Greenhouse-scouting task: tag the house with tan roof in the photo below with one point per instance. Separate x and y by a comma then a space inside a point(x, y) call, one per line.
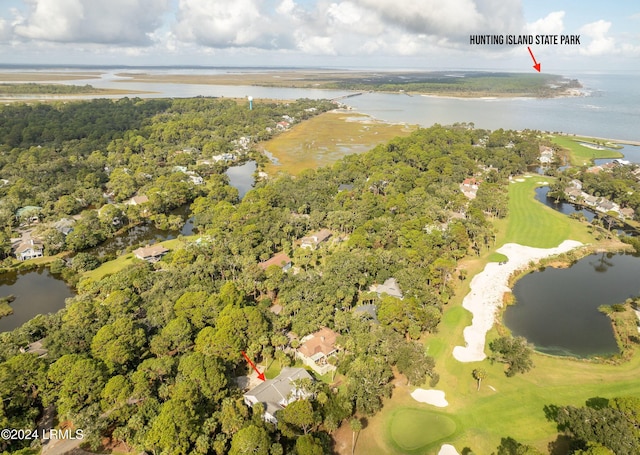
point(313, 240)
point(137, 200)
point(151, 253)
point(281, 260)
point(275, 394)
point(315, 350)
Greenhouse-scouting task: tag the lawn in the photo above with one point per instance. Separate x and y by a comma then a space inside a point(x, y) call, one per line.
point(121, 262)
point(581, 155)
point(328, 137)
point(503, 407)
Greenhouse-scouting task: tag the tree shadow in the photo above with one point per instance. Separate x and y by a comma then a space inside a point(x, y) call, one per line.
point(597, 403)
point(561, 445)
point(551, 412)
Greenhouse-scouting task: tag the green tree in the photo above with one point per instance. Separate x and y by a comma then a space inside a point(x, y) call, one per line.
point(368, 383)
point(308, 445)
point(414, 363)
point(300, 414)
point(119, 344)
point(515, 352)
point(250, 440)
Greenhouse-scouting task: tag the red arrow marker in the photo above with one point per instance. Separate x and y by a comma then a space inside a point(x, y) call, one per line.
point(260, 375)
point(537, 65)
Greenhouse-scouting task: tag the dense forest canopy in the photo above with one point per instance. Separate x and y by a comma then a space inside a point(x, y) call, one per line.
point(150, 355)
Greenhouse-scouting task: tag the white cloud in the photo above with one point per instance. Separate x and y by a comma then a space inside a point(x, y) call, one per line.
point(241, 23)
point(552, 24)
point(600, 43)
point(452, 19)
point(5, 31)
point(90, 21)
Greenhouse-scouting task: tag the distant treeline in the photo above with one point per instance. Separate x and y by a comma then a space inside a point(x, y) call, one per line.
point(497, 84)
point(46, 89)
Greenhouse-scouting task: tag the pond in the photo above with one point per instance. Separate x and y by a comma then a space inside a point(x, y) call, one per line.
point(557, 309)
point(562, 207)
point(241, 177)
point(36, 291)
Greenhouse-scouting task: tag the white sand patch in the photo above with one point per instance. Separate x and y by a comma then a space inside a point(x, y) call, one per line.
point(448, 449)
point(493, 388)
point(519, 180)
point(431, 396)
point(487, 291)
point(528, 176)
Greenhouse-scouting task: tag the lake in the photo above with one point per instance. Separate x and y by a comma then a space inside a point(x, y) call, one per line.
point(557, 309)
point(36, 291)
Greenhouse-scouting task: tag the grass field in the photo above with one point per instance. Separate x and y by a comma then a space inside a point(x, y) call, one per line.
point(503, 407)
point(327, 138)
point(581, 155)
point(533, 224)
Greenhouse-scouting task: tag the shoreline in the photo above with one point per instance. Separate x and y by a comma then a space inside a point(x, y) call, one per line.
point(615, 141)
point(487, 291)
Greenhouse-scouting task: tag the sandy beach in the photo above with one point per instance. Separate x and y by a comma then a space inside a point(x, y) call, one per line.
point(487, 292)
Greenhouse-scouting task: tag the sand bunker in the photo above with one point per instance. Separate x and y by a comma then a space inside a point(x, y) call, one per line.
point(487, 291)
point(448, 449)
point(433, 397)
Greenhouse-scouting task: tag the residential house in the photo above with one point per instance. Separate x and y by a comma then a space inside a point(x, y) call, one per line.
point(315, 350)
point(627, 213)
point(369, 311)
point(64, 226)
point(590, 200)
point(151, 253)
point(137, 200)
point(469, 187)
point(389, 287)
point(275, 394)
point(224, 157)
point(37, 348)
point(29, 214)
point(29, 249)
point(313, 240)
point(546, 155)
point(281, 260)
point(573, 194)
point(605, 205)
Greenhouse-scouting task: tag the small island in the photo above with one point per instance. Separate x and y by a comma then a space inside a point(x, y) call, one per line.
point(5, 308)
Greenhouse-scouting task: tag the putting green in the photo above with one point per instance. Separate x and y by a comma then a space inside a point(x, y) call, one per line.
point(414, 430)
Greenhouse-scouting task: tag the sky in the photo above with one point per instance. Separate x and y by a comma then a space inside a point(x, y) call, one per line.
point(375, 34)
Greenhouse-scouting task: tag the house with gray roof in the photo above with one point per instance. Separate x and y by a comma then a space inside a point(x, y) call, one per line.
point(389, 287)
point(275, 394)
